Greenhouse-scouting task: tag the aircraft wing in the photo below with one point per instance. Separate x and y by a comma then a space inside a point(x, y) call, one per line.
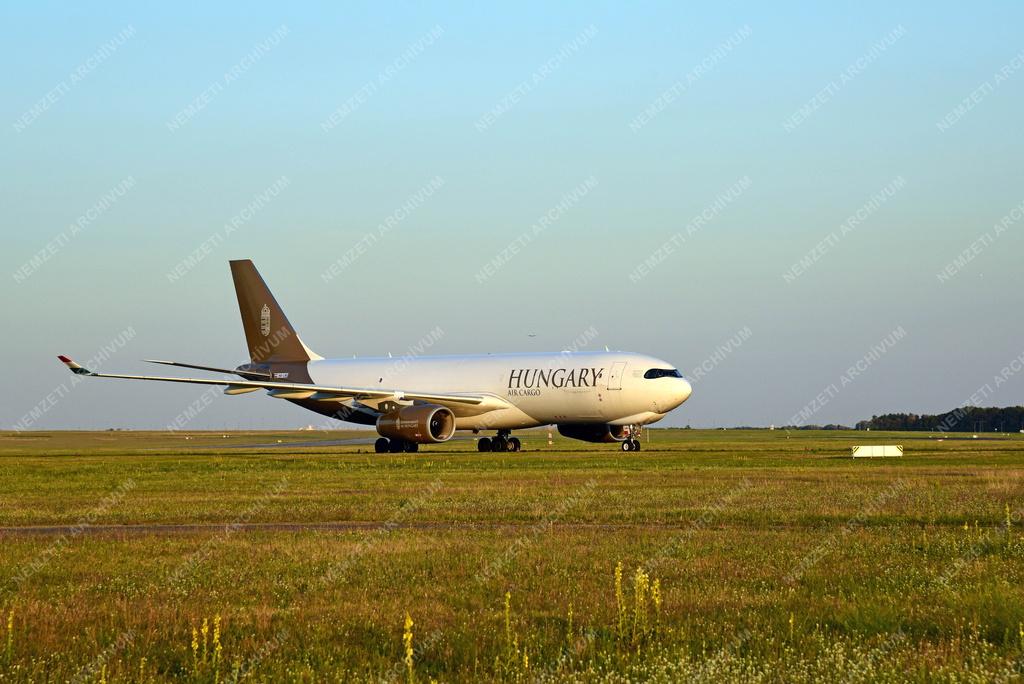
point(287, 390)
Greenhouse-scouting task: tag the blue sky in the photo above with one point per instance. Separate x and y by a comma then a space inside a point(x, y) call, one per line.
point(878, 85)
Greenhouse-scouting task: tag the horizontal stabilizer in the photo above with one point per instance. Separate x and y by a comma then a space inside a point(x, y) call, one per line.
point(208, 368)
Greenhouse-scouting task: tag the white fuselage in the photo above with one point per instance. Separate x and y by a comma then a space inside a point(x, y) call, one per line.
point(539, 388)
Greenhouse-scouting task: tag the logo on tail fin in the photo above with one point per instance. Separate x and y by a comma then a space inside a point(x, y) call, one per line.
point(265, 320)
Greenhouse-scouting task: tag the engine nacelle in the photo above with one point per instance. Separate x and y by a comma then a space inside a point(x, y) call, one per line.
point(423, 424)
point(593, 432)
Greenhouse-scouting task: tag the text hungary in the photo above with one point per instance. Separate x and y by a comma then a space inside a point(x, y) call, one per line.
point(537, 378)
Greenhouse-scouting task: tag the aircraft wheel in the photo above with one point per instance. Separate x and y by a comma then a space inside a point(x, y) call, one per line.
point(514, 444)
point(499, 444)
point(396, 446)
point(411, 447)
point(636, 444)
point(381, 445)
point(627, 445)
point(483, 444)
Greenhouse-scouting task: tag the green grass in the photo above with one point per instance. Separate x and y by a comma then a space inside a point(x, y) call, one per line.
point(778, 558)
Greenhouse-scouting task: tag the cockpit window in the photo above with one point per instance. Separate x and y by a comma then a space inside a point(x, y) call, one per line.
point(662, 373)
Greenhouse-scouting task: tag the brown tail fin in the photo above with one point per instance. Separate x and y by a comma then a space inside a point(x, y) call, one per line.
point(268, 334)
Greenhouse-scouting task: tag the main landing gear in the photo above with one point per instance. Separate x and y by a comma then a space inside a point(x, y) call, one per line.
point(632, 443)
point(395, 446)
point(502, 442)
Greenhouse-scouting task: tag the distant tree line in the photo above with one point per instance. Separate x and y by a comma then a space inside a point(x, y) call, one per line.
point(830, 426)
point(966, 419)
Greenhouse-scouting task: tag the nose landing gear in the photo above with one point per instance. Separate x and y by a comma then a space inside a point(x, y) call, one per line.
point(632, 441)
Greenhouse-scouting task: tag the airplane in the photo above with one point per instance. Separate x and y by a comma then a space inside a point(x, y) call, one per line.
point(593, 396)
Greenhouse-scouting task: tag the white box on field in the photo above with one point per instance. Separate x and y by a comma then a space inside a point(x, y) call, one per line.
point(877, 451)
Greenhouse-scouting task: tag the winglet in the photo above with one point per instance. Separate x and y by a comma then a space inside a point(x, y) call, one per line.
point(74, 367)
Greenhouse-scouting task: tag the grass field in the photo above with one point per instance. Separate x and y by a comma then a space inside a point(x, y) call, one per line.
point(710, 555)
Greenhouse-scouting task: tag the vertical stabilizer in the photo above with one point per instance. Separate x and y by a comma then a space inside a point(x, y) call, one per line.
point(268, 334)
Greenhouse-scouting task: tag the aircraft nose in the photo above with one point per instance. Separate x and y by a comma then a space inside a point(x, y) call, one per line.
point(684, 390)
point(677, 393)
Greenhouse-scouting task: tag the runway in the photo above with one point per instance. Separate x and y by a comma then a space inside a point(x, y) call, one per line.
point(352, 441)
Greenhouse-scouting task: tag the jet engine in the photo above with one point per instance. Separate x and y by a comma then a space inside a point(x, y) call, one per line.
point(593, 432)
point(422, 424)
